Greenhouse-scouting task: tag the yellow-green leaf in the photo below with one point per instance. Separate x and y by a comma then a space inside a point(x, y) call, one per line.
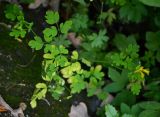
point(74, 55)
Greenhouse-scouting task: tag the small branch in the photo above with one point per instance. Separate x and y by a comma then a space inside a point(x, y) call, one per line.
point(15, 112)
point(26, 65)
point(46, 101)
point(4, 104)
point(5, 25)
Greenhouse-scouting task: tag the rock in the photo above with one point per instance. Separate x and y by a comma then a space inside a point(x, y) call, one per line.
point(37, 3)
point(76, 41)
point(79, 110)
point(54, 4)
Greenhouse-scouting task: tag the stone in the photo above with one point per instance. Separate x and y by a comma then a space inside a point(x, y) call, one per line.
point(79, 110)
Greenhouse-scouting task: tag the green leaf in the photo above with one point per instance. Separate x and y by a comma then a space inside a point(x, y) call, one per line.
point(119, 2)
point(125, 108)
point(113, 74)
point(56, 91)
point(80, 22)
point(114, 87)
point(51, 71)
point(132, 12)
point(120, 80)
point(110, 111)
point(135, 88)
point(150, 105)
point(77, 87)
point(98, 40)
point(126, 97)
point(127, 115)
point(77, 84)
point(41, 85)
point(109, 16)
point(21, 19)
point(93, 86)
point(127, 58)
point(50, 33)
point(88, 63)
point(132, 50)
point(102, 95)
point(55, 95)
point(76, 66)
point(51, 48)
point(154, 3)
point(117, 59)
point(82, 2)
point(62, 40)
point(18, 33)
point(98, 68)
point(124, 76)
point(149, 113)
point(136, 110)
point(12, 11)
point(65, 27)
point(33, 103)
point(122, 42)
point(74, 55)
point(97, 72)
point(61, 61)
point(48, 56)
point(36, 44)
point(39, 93)
point(68, 71)
point(152, 39)
point(62, 50)
point(91, 91)
point(52, 17)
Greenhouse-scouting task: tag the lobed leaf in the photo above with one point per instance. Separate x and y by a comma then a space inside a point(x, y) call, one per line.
point(64, 27)
point(52, 17)
point(36, 44)
point(50, 33)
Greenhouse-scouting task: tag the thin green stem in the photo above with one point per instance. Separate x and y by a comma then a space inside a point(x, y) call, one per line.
point(58, 30)
point(101, 11)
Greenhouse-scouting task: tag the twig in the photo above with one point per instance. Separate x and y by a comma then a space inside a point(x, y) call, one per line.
point(5, 25)
point(26, 65)
point(46, 101)
point(15, 112)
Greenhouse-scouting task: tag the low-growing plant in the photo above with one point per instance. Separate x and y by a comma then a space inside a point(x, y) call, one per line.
point(59, 67)
point(103, 63)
